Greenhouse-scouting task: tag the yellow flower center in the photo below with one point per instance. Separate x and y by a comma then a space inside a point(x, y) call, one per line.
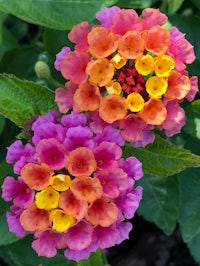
point(118, 61)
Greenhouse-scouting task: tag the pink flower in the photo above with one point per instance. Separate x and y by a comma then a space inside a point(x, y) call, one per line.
point(79, 236)
point(73, 67)
point(181, 49)
point(60, 56)
point(193, 88)
point(107, 154)
point(132, 166)
point(64, 97)
point(113, 181)
point(128, 201)
point(17, 190)
point(175, 118)
point(13, 220)
point(78, 35)
point(105, 15)
point(52, 153)
point(79, 137)
point(47, 242)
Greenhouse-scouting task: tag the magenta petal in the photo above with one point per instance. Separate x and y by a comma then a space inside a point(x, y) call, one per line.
point(132, 166)
point(13, 220)
point(123, 231)
point(73, 120)
point(60, 56)
point(105, 237)
point(52, 153)
point(128, 201)
point(14, 152)
point(78, 255)
point(105, 16)
point(47, 243)
point(79, 236)
point(17, 190)
point(107, 154)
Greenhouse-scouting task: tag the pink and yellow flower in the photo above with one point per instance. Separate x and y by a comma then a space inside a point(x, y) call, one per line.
point(77, 186)
point(131, 62)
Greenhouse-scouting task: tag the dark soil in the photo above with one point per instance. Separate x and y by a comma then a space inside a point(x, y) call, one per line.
point(149, 246)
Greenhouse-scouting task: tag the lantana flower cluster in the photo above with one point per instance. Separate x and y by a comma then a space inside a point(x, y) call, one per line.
point(72, 189)
point(131, 69)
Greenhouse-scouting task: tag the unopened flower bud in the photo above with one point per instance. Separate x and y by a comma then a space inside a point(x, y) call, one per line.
point(42, 70)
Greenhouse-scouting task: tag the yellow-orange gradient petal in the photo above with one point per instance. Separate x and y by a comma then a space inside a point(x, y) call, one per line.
point(102, 43)
point(178, 86)
point(100, 71)
point(87, 97)
point(154, 112)
point(86, 188)
point(112, 108)
point(36, 176)
point(33, 218)
point(131, 45)
point(157, 40)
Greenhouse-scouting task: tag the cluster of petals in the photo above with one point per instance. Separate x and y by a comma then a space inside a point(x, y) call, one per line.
point(130, 69)
point(73, 189)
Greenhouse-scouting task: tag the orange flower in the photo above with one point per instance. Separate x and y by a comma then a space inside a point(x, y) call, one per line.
point(72, 205)
point(102, 212)
point(131, 45)
point(154, 112)
point(87, 97)
point(100, 71)
point(36, 176)
point(81, 162)
point(178, 86)
point(33, 218)
point(157, 40)
point(86, 188)
point(112, 108)
point(102, 43)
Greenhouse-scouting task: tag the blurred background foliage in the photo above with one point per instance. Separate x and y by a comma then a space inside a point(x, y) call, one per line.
point(32, 31)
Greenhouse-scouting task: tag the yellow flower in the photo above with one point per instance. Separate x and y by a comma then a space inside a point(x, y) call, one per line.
point(60, 182)
point(163, 65)
point(144, 64)
point(135, 102)
point(61, 220)
point(118, 61)
point(156, 86)
point(114, 87)
point(47, 199)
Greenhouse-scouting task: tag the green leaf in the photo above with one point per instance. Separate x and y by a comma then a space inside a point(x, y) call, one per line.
point(2, 123)
point(162, 158)
point(172, 5)
point(160, 203)
point(96, 258)
point(189, 215)
point(23, 255)
point(134, 3)
point(192, 126)
point(60, 14)
point(6, 236)
point(196, 3)
point(20, 100)
point(193, 246)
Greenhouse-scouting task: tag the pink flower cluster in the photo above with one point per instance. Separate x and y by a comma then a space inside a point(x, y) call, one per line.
point(131, 70)
point(74, 190)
